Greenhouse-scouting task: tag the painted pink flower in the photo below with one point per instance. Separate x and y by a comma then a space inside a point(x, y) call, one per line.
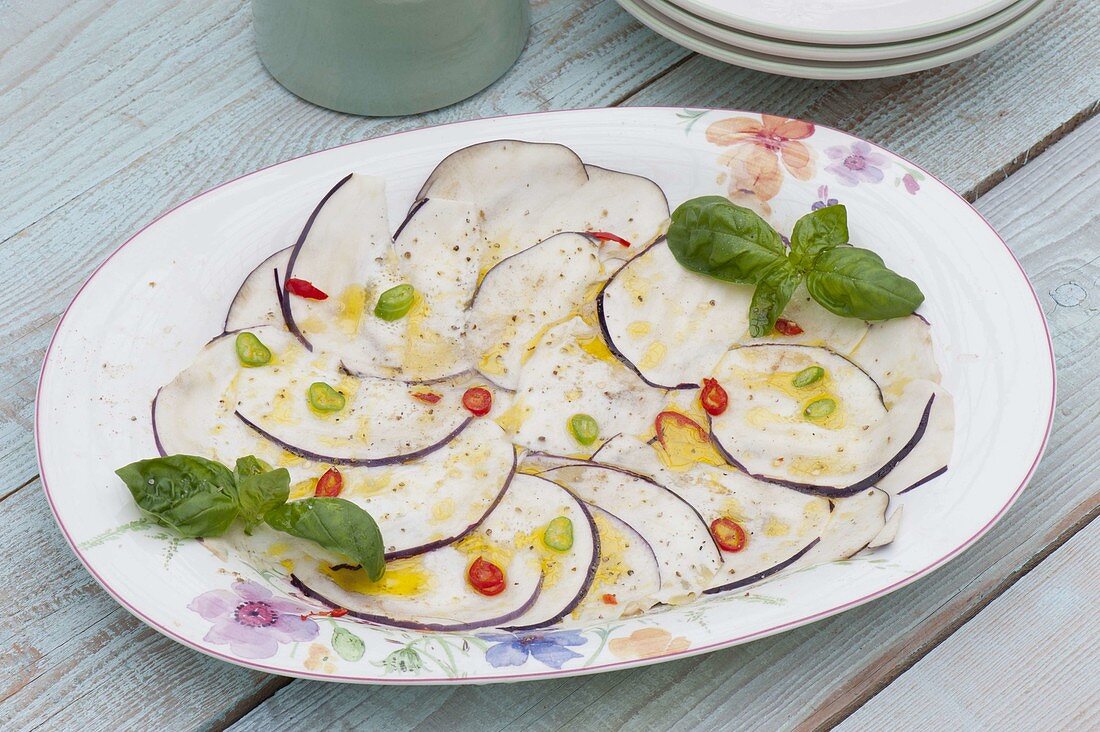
point(760, 151)
point(856, 164)
point(251, 620)
point(910, 183)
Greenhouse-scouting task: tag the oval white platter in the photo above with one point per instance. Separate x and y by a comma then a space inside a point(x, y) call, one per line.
point(147, 310)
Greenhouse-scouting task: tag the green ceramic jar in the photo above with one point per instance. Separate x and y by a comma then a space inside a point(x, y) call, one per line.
point(389, 57)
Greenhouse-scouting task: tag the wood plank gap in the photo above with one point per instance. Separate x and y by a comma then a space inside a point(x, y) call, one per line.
point(620, 100)
point(911, 659)
point(18, 488)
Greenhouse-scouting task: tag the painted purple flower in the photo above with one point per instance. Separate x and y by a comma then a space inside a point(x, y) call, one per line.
point(252, 621)
point(823, 199)
point(857, 163)
point(550, 648)
point(910, 184)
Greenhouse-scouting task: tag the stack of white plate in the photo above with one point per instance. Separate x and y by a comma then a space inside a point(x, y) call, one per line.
point(837, 39)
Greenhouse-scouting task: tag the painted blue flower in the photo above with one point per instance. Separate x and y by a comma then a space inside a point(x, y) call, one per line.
point(823, 199)
point(550, 648)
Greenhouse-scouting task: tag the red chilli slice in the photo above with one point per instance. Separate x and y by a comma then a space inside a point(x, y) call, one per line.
point(330, 484)
point(788, 327)
point(713, 397)
point(728, 534)
point(478, 401)
point(608, 236)
point(304, 288)
point(610, 599)
point(428, 397)
point(486, 577)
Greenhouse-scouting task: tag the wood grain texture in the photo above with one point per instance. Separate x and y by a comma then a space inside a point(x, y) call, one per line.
point(971, 123)
point(248, 123)
point(1028, 661)
point(813, 676)
point(72, 658)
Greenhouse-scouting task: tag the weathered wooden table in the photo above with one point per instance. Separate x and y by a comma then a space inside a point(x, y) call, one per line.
point(111, 112)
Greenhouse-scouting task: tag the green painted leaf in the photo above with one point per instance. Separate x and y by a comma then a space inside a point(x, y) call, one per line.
point(855, 283)
point(337, 525)
point(192, 495)
point(771, 295)
point(349, 646)
point(817, 232)
point(715, 237)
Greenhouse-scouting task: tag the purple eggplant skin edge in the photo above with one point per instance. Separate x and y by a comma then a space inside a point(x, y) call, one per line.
point(606, 332)
point(571, 462)
point(278, 288)
point(284, 301)
point(589, 576)
point(424, 548)
point(477, 290)
point(630, 526)
point(355, 462)
point(156, 434)
point(414, 625)
point(833, 491)
point(764, 574)
point(416, 206)
point(931, 476)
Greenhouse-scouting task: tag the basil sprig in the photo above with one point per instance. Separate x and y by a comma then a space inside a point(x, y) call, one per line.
point(718, 238)
point(197, 497)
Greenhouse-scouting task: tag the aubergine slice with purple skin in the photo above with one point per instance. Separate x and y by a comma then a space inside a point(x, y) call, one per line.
point(380, 422)
point(778, 522)
point(565, 375)
point(687, 555)
point(438, 249)
point(528, 191)
point(829, 435)
point(531, 504)
point(897, 353)
point(627, 577)
point(543, 584)
point(345, 251)
point(667, 324)
point(259, 299)
point(523, 295)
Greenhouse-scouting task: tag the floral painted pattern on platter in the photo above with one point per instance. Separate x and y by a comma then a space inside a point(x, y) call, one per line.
point(757, 150)
point(251, 620)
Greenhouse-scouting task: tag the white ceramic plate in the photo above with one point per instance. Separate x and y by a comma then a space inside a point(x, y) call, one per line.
point(848, 53)
point(656, 21)
point(844, 21)
point(150, 307)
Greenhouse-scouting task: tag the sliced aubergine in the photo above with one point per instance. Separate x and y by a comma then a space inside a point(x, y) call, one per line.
point(438, 249)
point(434, 500)
point(426, 592)
point(345, 251)
point(525, 294)
point(778, 522)
point(895, 352)
point(627, 576)
point(527, 192)
point(525, 519)
point(570, 372)
point(819, 326)
point(807, 418)
point(372, 421)
point(929, 458)
point(668, 324)
point(853, 524)
point(686, 553)
point(193, 413)
point(888, 532)
point(258, 301)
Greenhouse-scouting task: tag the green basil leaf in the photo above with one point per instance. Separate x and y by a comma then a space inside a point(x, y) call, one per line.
point(855, 283)
point(817, 232)
point(715, 237)
point(192, 495)
point(336, 524)
point(259, 489)
point(771, 295)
